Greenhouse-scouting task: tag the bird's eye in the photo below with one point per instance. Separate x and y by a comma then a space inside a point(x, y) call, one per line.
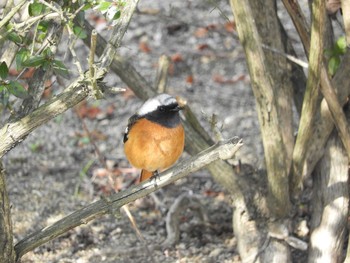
point(161, 108)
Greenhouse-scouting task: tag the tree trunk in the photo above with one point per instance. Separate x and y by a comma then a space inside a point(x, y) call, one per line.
point(330, 204)
point(7, 253)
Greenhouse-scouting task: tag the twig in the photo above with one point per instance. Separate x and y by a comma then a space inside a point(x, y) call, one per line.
point(290, 57)
point(92, 141)
point(299, 21)
point(72, 40)
point(162, 74)
point(223, 150)
point(37, 82)
point(181, 203)
point(213, 121)
point(13, 11)
point(119, 29)
point(137, 230)
point(95, 90)
point(58, 11)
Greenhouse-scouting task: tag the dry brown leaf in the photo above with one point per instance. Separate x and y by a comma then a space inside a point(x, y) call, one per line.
point(189, 79)
point(201, 32)
point(230, 27)
point(176, 58)
point(144, 47)
point(202, 46)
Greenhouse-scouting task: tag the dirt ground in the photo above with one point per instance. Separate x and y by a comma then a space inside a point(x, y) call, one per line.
point(55, 171)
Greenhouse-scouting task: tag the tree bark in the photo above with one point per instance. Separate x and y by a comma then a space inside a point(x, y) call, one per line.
point(7, 253)
point(269, 100)
point(330, 204)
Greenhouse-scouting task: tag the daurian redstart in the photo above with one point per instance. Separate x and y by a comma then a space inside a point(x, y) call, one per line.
point(154, 138)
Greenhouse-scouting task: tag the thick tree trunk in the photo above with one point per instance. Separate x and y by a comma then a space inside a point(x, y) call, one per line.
point(7, 253)
point(330, 204)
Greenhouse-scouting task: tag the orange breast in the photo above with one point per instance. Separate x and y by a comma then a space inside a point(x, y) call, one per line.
point(152, 147)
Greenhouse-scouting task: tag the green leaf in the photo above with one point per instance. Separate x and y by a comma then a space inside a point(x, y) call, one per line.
point(340, 45)
point(15, 88)
point(14, 37)
point(48, 53)
point(116, 15)
point(34, 61)
point(4, 70)
point(43, 26)
point(4, 97)
point(87, 6)
point(79, 32)
point(333, 65)
point(2, 87)
point(80, 18)
point(35, 9)
point(60, 69)
point(21, 56)
point(104, 6)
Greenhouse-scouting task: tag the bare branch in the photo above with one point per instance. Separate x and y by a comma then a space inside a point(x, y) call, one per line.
point(120, 27)
point(312, 95)
point(323, 123)
point(225, 149)
point(290, 57)
point(299, 21)
point(37, 82)
point(13, 11)
point(95, 90)
point(336, 111)
point(7, 253)
point(162, 73)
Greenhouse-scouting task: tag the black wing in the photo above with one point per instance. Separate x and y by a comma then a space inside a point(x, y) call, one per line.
point(131, 122)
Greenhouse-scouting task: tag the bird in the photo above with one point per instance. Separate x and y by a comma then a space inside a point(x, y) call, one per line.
point(154, 138)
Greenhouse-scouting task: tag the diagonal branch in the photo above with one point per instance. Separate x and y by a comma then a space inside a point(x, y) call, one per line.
point(223, 150)
point(9, 16)
point(323, 124)
point(311, 98)
point(299, 21)
point(337, 112)
point(115, 41)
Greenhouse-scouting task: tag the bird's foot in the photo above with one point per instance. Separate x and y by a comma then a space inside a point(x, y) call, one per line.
point(154, 177)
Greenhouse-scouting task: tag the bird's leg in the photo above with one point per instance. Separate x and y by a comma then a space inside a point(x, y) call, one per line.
point(154, 177)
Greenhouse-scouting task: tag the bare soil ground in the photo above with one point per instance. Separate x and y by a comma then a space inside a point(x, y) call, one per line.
point(51, 173)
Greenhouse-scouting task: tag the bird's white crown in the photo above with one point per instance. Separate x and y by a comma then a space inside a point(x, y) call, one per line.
point(152, 104)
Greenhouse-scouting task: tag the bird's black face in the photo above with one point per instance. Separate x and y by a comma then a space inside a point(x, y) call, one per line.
point(174, 107)
point(166, 115)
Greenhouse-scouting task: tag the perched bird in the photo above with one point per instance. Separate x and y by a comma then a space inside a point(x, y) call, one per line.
point(154, 138)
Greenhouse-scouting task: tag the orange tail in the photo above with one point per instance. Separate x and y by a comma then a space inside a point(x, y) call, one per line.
point(145, 175)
